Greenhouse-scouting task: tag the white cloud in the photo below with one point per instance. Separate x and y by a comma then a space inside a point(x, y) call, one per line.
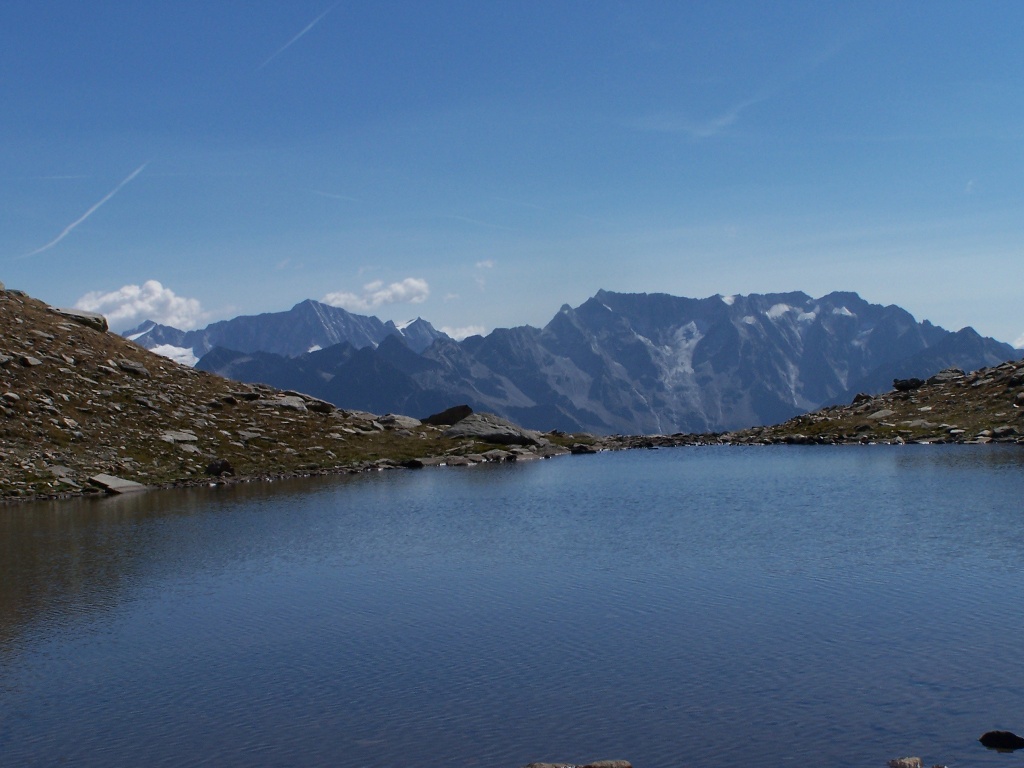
point(485, 264)
point(131, 304)
point(412, 290)
point(1019, 343)
point(465, 332)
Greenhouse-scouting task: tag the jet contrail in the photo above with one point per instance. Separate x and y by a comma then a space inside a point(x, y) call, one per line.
point(291, 42)
point(87, 214)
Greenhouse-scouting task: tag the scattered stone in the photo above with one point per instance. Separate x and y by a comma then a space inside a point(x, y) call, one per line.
point(29, 362)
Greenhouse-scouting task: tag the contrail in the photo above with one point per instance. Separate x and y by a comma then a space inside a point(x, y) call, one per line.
point(292, 42)
point(87, 214)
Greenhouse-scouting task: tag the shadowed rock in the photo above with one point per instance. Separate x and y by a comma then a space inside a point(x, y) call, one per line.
point(450, 416)
point(1002, 741)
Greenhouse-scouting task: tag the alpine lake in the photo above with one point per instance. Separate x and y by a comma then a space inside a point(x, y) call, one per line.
point(712, 607)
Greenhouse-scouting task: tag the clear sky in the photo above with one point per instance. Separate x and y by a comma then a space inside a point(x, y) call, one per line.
point(481, 163)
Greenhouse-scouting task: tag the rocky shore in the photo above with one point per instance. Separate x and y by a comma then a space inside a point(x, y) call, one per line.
point(83, 411)
point(984, 406)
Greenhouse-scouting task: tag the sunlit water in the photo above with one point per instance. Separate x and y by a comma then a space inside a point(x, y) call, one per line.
point(687, 607)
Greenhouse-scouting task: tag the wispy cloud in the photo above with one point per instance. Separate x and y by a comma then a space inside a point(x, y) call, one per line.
point(1019, 343)
point(481, 281)
point(70, 227)
point(131, 304)
point(295, 39)
point(412, 290)
point(699, 129)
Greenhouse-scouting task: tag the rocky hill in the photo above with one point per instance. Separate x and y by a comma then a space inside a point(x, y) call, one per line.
point(952, 406)
point(82, 410)
point(638, 363)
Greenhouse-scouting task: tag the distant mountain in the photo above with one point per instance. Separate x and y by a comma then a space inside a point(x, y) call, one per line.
point(640, 363)
point(306, 327)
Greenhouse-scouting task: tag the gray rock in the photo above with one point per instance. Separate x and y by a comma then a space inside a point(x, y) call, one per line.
point(489, 428)
point(29, 362)
point(947, 375)
point(112, 484)
point(174, 436)
point(137, 369)
point(89, 319)
point(905, 762)
point(403, 422)
point(882, 414)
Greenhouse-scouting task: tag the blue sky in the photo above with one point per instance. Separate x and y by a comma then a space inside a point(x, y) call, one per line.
point(481, 163)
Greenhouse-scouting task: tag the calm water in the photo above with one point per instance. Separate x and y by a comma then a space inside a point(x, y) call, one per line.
point(687, 607)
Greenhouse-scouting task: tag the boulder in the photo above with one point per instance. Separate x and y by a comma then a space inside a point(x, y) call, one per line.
point(402, 422)
point(905, 762)
point(447, 417)
point(488, 428)
point(92, 320)
point(1001, 741)
point(906, 385)
point(220, 468)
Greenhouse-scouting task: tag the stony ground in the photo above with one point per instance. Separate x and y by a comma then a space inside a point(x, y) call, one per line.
point(77, 402)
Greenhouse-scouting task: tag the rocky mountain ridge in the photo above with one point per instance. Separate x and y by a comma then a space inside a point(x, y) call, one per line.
point(306, 327)
point(639, 363)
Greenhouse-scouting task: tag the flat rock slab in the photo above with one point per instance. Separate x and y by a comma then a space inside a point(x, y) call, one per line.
point(112, 484)
point(173, 436)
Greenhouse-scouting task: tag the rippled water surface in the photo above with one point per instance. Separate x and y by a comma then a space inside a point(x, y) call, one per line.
point(688, 607)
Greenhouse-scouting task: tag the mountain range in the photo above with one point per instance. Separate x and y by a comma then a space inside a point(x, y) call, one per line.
point(618, 363)
point(306, 327)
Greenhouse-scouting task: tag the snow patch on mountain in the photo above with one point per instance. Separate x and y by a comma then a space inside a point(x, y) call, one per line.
point(180, 355)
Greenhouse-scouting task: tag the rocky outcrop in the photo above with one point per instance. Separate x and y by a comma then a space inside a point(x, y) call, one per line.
point(489, 428)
